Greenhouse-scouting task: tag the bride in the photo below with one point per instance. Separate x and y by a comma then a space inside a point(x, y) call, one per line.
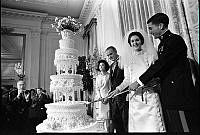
point(145, 112)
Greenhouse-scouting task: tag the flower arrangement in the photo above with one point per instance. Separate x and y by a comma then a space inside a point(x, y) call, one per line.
point(19, 69)
point(66, 23)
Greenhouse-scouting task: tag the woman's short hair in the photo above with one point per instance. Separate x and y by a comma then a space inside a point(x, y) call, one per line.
point(137, 34)
point(106, 65)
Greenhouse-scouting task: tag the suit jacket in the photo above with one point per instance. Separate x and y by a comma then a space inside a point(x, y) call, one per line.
point(21, 106)
point(172, 66)
point(116, 79)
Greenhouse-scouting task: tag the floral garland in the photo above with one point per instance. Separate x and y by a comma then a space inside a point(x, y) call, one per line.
point(68, 22)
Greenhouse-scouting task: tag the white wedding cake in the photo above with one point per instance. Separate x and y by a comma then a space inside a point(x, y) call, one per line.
point(67, 113)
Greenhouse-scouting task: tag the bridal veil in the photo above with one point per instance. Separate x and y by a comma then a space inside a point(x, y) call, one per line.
point(127, 53)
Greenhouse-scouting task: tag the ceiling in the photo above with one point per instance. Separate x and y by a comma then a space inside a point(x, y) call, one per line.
point(51, 7)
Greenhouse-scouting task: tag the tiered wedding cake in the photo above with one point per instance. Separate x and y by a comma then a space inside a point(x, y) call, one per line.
point(67, 113)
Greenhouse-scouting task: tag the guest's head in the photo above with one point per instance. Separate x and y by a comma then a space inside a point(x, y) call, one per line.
point(20, 86)
point(33, 91)
point(39, 91)
point(111, 53)
point(44, 91)
point(136, 40)
point(158, 24)
point(102, 65)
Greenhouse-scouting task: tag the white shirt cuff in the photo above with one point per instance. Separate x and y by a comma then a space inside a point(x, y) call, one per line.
point(138, 80)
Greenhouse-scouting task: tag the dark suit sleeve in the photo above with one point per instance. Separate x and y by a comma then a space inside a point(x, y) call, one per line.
point(119, 78)
point(174, 50)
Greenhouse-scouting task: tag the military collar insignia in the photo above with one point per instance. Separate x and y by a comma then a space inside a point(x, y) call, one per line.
point(160, 49)
point(165, 34)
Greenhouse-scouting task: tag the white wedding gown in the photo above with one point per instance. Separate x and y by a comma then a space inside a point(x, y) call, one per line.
point(145, 115)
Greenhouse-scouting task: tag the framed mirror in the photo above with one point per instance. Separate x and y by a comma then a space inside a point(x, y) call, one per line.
point(12, 52)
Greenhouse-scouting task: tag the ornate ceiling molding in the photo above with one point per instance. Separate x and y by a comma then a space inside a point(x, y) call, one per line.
point(22, 14)
point(49, 19)
point(89, 10)
point(95, 9)
point(6, 30)
point(89, 26)
point(57, 3)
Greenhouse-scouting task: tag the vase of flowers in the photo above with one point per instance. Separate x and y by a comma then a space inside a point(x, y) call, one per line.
point(66, 25)
point(66, 34)
point(19, 70)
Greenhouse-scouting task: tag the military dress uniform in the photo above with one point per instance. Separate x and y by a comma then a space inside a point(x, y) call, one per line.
point(177, 89)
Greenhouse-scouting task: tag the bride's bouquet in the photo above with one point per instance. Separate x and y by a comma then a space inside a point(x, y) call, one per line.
point(68, 22)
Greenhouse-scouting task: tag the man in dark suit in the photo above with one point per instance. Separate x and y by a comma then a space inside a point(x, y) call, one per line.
point(21, 104)
point(172, 67)
point(40, 104)
point(118, 105)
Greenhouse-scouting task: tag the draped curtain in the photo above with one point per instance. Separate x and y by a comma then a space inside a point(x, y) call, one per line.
point(90, 37)
point(135, 13)
point(108, 27)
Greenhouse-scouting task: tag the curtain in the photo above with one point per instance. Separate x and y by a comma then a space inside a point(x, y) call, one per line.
point(80, 45)
point(182, 14)
point(90, 37)
point(191, 8)
point(135, 13)
point(108, 27)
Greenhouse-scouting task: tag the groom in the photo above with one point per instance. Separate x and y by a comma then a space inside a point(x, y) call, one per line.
point(178, 95)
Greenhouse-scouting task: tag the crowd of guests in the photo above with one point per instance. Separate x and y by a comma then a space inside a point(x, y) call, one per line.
point(24, 109)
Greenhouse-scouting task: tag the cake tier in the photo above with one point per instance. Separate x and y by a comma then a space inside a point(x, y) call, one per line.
point(66, 43)
point(67, 115)
point(66, 59)
point(65, 83)
point(64, 54)
point(69, 106)
point(95, 127)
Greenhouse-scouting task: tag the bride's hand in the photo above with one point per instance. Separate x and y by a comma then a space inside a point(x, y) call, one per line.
point(133, 86)
point(141, 90)
point(138, 91)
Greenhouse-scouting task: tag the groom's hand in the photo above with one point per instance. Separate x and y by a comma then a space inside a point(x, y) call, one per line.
point(105, 100)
